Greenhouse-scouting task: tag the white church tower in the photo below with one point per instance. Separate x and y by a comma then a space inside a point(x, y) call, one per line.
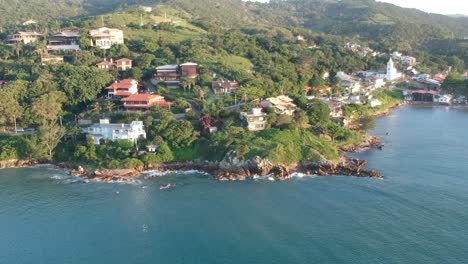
point(392, 72)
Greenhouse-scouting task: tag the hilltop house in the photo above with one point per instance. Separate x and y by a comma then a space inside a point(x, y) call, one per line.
point(105, 37)
point(172, 74)
point(224, 87)
point(282, 105)
point(105, 130)
point(67, 39)
point(24, 37)
point(123, 64)
point(143, 102)
point(123, 88)
point(256, 119)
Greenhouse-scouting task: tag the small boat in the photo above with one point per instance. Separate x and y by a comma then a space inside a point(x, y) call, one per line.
point(165, 187)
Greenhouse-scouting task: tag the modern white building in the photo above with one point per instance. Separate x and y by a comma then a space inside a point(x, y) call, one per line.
point(105, 37)
point(256, 120)
point(107, 131)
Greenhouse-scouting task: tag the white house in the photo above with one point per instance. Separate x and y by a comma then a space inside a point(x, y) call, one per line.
point(282, 105)
point(375, 103)
point(444, 99)
point(105, 37)
point(108, 131)
point(256, 120)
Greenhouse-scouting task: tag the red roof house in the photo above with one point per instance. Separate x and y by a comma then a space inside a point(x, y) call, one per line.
point(143, 102)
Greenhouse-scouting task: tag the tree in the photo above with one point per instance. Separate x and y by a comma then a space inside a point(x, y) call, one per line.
point(366, 123)
point(179, 133)
point(109, 106)
point(136, 73)
point(187, 83)
point(201, 92)
point(80, 83)
point(46, 109)
point(10, 108)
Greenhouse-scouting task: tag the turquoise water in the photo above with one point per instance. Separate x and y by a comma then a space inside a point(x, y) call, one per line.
point(417, 214)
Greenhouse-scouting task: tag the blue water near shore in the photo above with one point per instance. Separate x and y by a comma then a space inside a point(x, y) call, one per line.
point(417, 214)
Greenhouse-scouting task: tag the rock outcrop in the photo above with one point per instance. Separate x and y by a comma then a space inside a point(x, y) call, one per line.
point(16, 163)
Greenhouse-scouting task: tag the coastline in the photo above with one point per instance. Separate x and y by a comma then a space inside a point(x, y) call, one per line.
point(233, 170)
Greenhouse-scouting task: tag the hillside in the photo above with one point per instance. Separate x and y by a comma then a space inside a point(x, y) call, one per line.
point(14, 12)
point(387, 24)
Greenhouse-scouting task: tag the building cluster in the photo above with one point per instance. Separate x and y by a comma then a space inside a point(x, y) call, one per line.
point(362, 51)
point(69, 39)
point(256, 118)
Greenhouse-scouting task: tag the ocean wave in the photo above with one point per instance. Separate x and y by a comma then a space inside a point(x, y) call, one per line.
point(157, 173)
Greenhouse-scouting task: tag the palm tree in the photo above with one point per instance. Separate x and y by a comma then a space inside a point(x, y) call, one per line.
point(96, 107)
point(109, 106)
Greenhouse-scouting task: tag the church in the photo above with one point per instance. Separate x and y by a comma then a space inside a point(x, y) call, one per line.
point(392, 73)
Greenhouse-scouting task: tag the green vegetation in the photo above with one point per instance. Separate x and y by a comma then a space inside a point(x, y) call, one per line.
point(252, 43)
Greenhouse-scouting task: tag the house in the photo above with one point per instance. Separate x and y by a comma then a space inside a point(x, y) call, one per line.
point(106, 65)
point(123, 64)
point(67, 39)
point(354, 99)
point(351, 84)
point(106, 131)
point(375, 103)
point(444, 99)
point(224, 87)
point(282, 105)
point(172, 74)
point(256, 119)
point(421, 96)
point(147, 9)
point(152, 148)
point(105, 37)
point(189, 70)
point(51, 59)
point(168, 74)
point(408, 60)
point(24, 37)
point(29, 22)
point(143, 102)
point(374, 82)
point(123, 88)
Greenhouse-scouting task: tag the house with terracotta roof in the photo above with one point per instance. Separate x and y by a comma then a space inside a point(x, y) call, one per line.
point(123, 88)
point(123, 64)
point(143, 102)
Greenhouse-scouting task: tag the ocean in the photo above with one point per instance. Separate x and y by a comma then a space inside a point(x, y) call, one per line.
point(417, 214)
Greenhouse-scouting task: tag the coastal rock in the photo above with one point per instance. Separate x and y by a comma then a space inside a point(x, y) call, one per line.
point(16, 163)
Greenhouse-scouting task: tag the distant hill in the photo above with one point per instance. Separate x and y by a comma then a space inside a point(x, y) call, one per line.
point(367, 19)
point(14, 12)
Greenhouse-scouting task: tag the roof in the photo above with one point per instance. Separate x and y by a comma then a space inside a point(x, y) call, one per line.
point(167, 67)
point(68, 33)
point(122, 94)
point(124, 59)
point(141, 97)
point(189, 64)
point(104, 62)
point(424, 92)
